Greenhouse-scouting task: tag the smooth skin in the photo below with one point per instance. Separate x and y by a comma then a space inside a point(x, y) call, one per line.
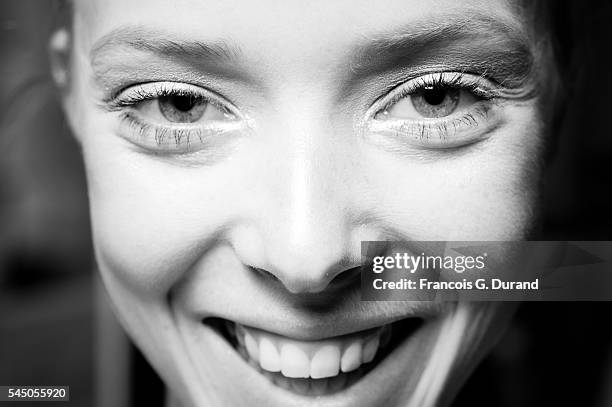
point(258, 222)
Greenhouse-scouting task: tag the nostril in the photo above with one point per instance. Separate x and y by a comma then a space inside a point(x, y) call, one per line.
point(289, 281)
point(297, 285)
point(346, 277)
point(264, 273)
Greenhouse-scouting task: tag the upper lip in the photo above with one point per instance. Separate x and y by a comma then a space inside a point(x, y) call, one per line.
point(321, 327)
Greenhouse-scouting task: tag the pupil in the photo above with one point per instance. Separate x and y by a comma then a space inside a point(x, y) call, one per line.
point(434, 96)
point(182, 103)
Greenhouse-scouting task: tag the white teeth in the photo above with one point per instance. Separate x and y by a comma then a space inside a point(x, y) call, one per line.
point(326, 362)
point(370, 348)
point(251, 346)
point(294, 362)
point(268, 356)
point(308, 359)
point(243, 352)
point(351, 358)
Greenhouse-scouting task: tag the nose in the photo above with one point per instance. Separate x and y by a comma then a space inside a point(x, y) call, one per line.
point(305, 230)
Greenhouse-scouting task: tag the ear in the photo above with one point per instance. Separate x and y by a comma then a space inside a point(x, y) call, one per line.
point(59, 55)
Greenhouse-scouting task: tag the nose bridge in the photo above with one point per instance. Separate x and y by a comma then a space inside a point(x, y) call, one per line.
point(308, 238)
point(312, 198)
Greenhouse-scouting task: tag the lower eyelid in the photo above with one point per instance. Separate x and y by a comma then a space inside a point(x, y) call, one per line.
point(153, 134)
point(173, 139)
point(447, 132)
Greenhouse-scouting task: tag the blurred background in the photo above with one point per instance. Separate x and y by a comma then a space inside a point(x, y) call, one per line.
point(54, 331)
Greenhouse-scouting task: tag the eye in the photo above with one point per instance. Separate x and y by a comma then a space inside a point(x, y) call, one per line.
point(439, 110)
point(430, 102)
point(183, 109)
point(175, 118)
point(176, 104)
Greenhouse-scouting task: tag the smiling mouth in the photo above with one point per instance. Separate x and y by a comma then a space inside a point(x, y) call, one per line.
point(315, 368)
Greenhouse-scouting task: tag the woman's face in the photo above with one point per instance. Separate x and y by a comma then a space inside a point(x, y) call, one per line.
point(238, 153)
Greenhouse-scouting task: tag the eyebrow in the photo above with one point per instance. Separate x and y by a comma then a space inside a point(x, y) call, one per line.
point(215, 57)
point(478, 44)
point(496, 47)
point(144, 39)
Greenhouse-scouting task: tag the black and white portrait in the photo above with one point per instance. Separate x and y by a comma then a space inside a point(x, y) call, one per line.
point(186, 186)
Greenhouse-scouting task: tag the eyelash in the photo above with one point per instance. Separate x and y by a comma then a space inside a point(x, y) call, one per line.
point(471, 83)
point(181, 135)
point(443, 132)
point(141, 92)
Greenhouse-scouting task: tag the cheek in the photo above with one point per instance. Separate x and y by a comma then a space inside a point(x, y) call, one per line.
point(487, 191)
point(151, 221)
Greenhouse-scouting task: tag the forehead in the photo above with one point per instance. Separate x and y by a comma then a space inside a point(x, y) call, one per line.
point(295, 30)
